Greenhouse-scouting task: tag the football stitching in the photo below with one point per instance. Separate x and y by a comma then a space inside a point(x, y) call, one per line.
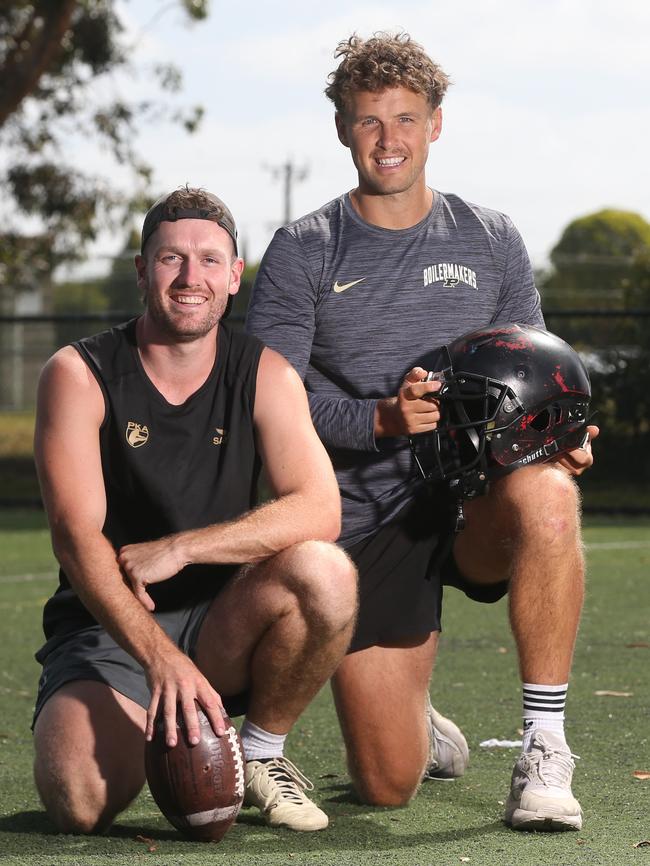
point(238, 759)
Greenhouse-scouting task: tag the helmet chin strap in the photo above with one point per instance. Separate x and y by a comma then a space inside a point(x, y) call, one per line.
point(473, 482)
point(468, 485)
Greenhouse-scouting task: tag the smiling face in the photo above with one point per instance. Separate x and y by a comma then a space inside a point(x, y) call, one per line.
point(186, 274)
point(389, 133)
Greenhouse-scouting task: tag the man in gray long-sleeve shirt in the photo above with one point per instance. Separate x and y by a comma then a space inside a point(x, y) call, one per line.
point(360, 296)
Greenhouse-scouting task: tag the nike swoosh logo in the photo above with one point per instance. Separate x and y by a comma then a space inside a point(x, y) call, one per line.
point(341, 288)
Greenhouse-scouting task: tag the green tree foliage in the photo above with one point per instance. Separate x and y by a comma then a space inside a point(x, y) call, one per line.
point(53, 54)
point(84, 296)
point(119, 289)
point(602, 263)
point(602, 259)
point(241, 299)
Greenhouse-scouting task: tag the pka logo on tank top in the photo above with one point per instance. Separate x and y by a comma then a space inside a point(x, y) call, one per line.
point(136, 434)
point(450, 274)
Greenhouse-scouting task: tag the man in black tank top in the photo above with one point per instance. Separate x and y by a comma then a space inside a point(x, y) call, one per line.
point(174, 588)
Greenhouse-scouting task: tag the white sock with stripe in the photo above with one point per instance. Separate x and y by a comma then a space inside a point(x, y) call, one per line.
point(543, 710)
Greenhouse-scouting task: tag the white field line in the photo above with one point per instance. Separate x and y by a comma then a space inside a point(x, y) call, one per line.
point(26, 578)
point(618, 545)
point(595, 545)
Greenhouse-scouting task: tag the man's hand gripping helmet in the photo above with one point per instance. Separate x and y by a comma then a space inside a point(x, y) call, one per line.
point(512, 395)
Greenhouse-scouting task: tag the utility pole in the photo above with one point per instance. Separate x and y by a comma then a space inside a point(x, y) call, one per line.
point(289, 174)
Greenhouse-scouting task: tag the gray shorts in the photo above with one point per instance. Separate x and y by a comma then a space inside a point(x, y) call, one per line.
point(91, 654)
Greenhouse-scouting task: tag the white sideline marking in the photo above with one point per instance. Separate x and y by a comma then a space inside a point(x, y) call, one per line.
point(617, 545)
point(594, 545)
point(26, 578)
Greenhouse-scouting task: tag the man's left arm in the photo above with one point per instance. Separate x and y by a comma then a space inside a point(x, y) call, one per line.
point(306, 504)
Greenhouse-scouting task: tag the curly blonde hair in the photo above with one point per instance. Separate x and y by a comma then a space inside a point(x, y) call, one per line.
point(383, 61)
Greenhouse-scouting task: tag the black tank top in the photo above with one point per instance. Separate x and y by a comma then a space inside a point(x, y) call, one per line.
point(168, 468)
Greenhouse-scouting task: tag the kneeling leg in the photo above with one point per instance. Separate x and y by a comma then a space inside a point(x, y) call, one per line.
point(381, 696)
point(89, 762)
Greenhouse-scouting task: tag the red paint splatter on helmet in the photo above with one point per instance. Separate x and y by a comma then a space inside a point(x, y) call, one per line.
point(514, 345)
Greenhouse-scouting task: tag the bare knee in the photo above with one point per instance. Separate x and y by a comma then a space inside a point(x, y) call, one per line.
point(385, 770)
point(377, 785)
point(75, 805)
point(89, 756)
point(531, 515)
point(324, 580)
point(546, 502)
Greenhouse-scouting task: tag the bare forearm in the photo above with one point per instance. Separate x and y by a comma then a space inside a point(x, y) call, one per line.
point(89, 561)
point(172, 677)
point(264, 532)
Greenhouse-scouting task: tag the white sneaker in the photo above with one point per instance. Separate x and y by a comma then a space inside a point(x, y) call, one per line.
point(448, 751)
point(276, 786)
point(540, 790)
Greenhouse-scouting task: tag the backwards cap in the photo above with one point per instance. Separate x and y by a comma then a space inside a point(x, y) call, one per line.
point(214, 210)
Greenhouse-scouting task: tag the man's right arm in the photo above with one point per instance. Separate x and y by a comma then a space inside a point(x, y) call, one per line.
point(70, 411)
point(282, 313)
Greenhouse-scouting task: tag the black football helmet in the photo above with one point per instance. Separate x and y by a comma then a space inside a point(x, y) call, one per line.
point(512, 395)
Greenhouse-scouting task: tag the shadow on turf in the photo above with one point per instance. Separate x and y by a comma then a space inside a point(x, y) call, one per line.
point(34, 834)
point(36, 823)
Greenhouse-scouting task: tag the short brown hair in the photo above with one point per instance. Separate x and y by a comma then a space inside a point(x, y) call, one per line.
point(384, 61)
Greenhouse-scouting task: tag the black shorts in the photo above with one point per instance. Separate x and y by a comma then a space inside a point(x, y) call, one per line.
point(91, 654)
point(402, 570)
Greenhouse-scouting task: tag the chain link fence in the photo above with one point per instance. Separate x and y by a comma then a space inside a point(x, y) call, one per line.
point(615, 346)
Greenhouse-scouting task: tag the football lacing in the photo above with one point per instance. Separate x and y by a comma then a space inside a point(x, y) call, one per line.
point(239, 761)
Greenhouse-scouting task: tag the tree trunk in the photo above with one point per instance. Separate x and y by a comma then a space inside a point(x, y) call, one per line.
point(35, 49)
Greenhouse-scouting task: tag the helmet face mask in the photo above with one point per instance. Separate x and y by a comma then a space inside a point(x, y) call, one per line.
point(511, 396)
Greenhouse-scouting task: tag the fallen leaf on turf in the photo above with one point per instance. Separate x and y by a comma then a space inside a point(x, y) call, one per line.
point(638, 645)
point(503, 650)
point(607, 693)
point(644, 844)
point(643, 775)
point(581, 841)
point(151, 845)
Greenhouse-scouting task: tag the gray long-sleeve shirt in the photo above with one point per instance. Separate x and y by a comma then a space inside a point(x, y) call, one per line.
point(353, 307)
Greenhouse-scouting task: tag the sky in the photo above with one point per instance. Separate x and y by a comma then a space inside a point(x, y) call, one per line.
point(548, 117)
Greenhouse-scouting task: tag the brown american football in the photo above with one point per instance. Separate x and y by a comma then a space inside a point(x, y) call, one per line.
point(199, 789)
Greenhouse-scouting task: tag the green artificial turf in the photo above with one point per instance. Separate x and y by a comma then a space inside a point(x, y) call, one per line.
point(475, 682)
